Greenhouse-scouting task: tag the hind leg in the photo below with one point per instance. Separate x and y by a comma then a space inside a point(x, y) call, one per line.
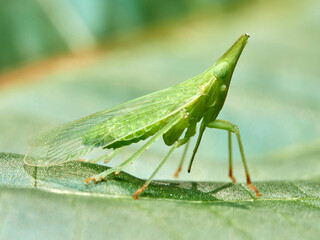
point(145, 185)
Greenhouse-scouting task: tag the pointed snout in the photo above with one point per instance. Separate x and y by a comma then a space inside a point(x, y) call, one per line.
point(225, 65)
point(233, 54)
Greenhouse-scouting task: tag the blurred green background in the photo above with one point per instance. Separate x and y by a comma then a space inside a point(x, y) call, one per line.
point(61, 60)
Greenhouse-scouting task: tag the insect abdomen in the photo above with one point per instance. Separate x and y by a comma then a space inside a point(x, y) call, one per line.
point(139, 135)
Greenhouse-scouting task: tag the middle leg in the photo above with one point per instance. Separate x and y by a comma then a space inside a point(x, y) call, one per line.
point(225, 125)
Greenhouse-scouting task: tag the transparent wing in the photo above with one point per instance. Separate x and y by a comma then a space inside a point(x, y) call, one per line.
point(79, 138)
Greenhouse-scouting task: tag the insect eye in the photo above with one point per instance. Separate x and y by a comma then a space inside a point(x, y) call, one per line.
point(223, 88)
point(221, 70)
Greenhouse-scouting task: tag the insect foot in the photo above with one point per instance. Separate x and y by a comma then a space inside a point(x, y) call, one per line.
point(140, 190)
point(89, 179)
point(233, 179)
point(176, 174)
point(254, 189)
point(95, 178)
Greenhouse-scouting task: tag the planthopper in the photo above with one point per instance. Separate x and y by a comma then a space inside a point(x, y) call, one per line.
point(171, 113)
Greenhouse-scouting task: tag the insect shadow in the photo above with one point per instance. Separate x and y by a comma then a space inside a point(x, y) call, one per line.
point(69, 176)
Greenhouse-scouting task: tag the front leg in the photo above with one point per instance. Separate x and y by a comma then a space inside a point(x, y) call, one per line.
point(230, 127)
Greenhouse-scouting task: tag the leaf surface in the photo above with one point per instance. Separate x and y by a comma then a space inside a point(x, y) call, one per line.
point(56, 197)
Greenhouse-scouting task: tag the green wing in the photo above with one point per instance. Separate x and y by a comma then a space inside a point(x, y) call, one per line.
point(126, 122)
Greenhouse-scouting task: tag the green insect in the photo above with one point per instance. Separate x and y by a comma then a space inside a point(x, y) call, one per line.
point(172, 113)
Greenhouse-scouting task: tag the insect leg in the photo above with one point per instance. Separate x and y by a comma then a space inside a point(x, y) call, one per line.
point(176, 174)
point(225, 125)
point(230, 158)
point(201, 131)
point(176, 145)
point(119, 168)
point(145, 185)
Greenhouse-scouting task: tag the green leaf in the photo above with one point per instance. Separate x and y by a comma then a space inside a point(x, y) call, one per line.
point(56, 197)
